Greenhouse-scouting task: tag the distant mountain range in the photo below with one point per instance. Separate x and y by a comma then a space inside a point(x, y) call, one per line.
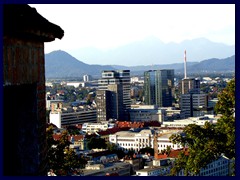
point(152, 51)
point(61, 64)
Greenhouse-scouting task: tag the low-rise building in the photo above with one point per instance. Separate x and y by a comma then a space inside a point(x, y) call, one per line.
point(130, 140)
point(94, 127)
point(154, 171)
point(119, 168)
point(192, 120)
point(136, 163)
point(60, 116)
point(147, 113)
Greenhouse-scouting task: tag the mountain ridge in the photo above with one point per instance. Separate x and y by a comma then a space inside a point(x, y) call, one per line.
point(153, 51)
point(62, 64)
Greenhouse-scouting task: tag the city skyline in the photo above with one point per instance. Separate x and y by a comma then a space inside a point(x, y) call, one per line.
point(108, 26)
point(55, 121)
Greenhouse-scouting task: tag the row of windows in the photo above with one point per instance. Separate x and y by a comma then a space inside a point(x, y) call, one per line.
point(220, 168)
point(145, 145)
point(142, 140)
point(215, 172)
point(132, 145)
point(212, 165)
point(132, 140)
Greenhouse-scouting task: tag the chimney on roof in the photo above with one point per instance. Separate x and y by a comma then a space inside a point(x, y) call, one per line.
point(185, 64)
point(155, 145)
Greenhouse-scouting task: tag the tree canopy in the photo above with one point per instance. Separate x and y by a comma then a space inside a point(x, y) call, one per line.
point(96, 143)
point(60, 157)
point(206, 143)
point(147, 150)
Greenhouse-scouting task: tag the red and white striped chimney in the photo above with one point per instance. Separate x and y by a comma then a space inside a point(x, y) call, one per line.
point(185, 64)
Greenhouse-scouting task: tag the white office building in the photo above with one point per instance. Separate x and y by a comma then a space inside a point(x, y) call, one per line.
point(191, 120)
point(129, 140)
point(60, 116)
point(146, 113)
point(94, 127)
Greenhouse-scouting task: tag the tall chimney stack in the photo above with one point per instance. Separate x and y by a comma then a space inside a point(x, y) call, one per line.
point(185, 64)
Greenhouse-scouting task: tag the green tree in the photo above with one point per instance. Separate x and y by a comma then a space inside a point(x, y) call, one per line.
point(203, 145)
point(226, 124)
point(72, 160)
point(167, 150)
point(111, 146)
point(96, 143)
point(60, 157)
point(147, 150)
point(207, 143)
point(113, 149)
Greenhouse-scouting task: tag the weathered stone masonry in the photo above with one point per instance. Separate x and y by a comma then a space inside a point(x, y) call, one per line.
point(24, 121)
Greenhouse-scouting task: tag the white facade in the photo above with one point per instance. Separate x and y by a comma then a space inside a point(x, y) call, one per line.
point(121, 168)
point(55, 118)
point(75, 84)
point(60, 118)
point(153, 171)
point(192, 120)
point(94, 127)
point(85, 78)
point(146, 115)
point(128, 140)
point(134, 79)
point(153, 113)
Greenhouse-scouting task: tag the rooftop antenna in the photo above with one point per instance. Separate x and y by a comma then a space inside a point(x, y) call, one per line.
point(185, 64)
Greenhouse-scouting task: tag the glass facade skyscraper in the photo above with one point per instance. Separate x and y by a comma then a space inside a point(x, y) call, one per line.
point(158, 87)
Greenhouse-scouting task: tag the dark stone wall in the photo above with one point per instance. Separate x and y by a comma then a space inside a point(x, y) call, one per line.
point(23, 62)
point(24, 107)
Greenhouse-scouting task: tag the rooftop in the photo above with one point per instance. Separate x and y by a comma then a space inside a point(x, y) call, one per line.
point(21, 20)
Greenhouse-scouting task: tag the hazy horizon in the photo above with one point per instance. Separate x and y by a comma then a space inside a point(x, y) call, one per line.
point(108, 26)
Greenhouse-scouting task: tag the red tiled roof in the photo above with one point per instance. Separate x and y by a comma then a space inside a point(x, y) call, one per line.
point(162, 156)
point(57, 137)
point(175, 153)
point(76, 137)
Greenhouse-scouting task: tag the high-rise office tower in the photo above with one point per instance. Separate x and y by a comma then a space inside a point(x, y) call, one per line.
point(189, 85)
point(113, 95)
point(190, 96)
point(158, 87)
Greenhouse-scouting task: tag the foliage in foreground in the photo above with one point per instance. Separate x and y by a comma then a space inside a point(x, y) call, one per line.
point(60, 157)
point(207, 143)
